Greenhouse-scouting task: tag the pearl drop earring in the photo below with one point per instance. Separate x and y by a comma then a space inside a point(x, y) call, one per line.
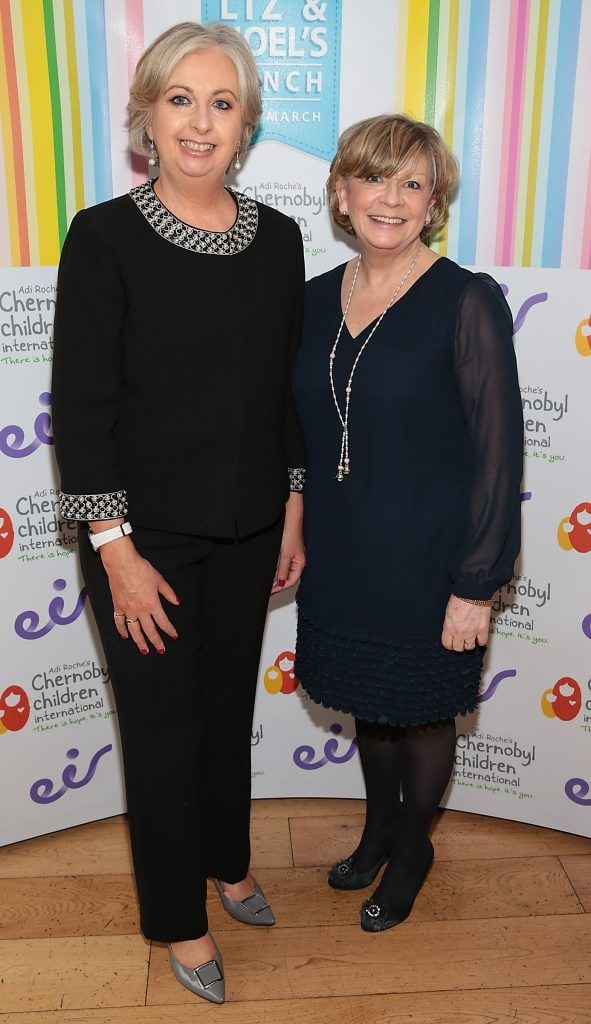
point(237, 164)
point(153, 157)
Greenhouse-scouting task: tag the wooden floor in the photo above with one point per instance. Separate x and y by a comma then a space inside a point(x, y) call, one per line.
point(501, 932)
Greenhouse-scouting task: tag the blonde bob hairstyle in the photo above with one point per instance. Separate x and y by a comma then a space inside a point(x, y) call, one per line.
point(157, 63)
point(385, 145)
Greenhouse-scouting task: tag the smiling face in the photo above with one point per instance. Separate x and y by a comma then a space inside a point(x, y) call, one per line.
point(388, 213)
point(196, 123)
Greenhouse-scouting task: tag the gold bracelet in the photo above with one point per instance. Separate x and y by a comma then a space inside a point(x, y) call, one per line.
point(478, 601)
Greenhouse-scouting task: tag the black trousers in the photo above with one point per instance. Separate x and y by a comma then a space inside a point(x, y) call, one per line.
point(185, 718)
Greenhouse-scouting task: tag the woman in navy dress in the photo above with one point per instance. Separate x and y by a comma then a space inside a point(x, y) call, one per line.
point(407, 392)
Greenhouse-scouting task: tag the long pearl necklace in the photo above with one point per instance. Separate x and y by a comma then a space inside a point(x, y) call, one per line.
point(344, 467)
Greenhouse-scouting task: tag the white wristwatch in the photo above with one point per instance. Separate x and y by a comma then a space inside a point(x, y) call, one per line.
point(98, 539)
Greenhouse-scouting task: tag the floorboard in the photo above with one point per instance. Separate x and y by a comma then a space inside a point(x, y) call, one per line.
point(500, 934)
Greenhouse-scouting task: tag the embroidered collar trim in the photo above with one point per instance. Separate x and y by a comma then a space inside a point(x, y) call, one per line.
point(214, 243)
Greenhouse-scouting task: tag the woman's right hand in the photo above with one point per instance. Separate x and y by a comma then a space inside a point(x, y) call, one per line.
point(136, 587)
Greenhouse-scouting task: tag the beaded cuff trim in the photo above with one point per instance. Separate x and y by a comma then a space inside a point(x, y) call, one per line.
point(88, 507)
point(297, 479)
point(214, 243)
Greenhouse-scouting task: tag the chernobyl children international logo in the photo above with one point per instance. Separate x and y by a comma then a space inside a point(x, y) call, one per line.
point(280, 676)
point(14, 709)
point(583, 337)
point(296, 46)
point(563, 700)
point(6, 533)
point(574, 531)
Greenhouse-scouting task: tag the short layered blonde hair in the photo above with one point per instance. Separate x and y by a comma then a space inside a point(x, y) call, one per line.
point(157, 63)
point(385, 145)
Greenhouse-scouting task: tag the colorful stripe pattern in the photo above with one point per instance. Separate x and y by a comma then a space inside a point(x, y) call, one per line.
point(55, 140)
point(507, 83)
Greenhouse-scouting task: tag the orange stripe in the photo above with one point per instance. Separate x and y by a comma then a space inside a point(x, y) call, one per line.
point(17, 139)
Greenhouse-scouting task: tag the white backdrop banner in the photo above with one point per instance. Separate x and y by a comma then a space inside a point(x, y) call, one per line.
point(509, 93)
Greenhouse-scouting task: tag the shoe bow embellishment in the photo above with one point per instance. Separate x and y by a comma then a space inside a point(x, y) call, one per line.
point(207, 974)
point(255, 903)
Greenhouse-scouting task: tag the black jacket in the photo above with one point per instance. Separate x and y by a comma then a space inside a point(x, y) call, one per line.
point(172, 361)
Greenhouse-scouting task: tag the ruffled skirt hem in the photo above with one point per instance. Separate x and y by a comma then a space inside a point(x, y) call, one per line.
point(403, 681)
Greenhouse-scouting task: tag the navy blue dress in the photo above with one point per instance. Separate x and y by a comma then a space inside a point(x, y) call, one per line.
point(432, 502)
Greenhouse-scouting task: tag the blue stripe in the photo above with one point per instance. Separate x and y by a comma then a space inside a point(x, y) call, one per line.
point(99, 99)
point(564, 91)
point(474, 117)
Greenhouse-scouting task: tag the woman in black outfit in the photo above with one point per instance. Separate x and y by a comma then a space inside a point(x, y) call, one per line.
point(178, 317)
point(407, 392)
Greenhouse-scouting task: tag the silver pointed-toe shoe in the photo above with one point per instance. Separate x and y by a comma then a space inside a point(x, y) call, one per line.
point(206, 981)
point(253, 910)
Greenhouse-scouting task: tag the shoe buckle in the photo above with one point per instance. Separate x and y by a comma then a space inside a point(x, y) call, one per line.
point(344, 868)
point(373, 910)
point(255, 903)
point(207, 974)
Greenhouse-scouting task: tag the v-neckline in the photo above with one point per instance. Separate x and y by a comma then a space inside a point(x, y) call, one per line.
point(355, 337)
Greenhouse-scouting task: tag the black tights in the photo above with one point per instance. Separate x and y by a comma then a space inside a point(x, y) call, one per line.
point(406, 772)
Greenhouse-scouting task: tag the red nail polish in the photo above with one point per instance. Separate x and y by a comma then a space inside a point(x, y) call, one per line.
point(144, 650)
point(160, 650)
point(175, 636)
point(280, 583)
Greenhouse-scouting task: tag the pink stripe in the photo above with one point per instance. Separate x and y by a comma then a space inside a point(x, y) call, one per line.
point(511, 146)
point(134, 16)
point(586, 247)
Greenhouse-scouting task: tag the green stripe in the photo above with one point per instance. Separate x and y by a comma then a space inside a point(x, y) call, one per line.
point(432, 46)
point(56, 114)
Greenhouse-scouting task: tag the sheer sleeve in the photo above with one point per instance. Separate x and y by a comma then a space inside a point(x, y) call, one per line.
point(486, 375)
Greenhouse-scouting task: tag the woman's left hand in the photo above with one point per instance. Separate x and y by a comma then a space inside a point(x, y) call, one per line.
point(292, 556)
point(465, 625)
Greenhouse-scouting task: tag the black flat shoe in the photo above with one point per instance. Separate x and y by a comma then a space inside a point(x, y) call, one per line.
point(376, 917)
point(343, 875)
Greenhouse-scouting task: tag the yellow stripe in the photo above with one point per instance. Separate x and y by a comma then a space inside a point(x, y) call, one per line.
point(74, 104)
point(450, 94)
point(452, 63)
point(526, 127)
point(5, 122)
point(42, 127)
point(26, 129)
point(442, 57)
point(440, 245)
point(401, 56)
point(536, 121)
point(416, 66)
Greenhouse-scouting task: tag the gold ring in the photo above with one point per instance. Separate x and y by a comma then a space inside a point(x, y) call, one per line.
point(118, 615)
point(130, 621)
